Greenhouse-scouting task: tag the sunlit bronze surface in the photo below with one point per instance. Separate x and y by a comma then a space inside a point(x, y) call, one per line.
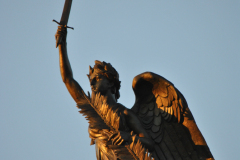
point(160, 120)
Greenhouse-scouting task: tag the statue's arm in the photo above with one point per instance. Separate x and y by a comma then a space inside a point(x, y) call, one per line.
point(65, 68)
point(134, 123)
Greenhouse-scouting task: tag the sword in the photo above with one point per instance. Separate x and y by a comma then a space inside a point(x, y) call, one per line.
point(64, 19)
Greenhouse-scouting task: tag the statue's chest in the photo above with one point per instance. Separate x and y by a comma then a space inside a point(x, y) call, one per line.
point(122, 122)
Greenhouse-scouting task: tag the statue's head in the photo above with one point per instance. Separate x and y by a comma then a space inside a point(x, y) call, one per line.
point(107, 72)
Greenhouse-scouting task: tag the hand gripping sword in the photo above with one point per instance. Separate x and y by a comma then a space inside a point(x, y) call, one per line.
point(64, 19)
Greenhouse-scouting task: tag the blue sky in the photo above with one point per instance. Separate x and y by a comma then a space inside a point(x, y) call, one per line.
point(193, 44)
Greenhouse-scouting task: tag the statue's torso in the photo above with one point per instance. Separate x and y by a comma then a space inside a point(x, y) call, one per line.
point(100, 139)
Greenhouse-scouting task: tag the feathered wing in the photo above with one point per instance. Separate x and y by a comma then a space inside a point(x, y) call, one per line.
point(164, 113)
point(100, 116)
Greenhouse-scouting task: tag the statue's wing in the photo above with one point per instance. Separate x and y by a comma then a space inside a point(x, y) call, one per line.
point(164, 113)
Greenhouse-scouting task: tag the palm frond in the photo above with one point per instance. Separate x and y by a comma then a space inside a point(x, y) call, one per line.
point(101, 116)
point(138, 150)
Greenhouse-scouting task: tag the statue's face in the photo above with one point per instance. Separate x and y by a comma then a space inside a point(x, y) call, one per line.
point(99, 83)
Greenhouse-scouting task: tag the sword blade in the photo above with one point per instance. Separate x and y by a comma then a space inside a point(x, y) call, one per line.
point(64, 19)
point(66, 12)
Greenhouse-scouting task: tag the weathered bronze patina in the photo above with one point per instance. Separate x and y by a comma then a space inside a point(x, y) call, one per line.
point(159, 125)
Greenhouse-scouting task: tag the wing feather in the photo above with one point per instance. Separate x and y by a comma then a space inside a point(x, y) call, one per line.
point(144, 110)
point(157, 120)
point(165, 101)
point(159, 138)
point(166, 150)
point(159, 101)
point(147, 119)
point(159, 154)
point(155, 128)
point(151, 106)
point(156, 110)
point(169, 142)
point(150, 113)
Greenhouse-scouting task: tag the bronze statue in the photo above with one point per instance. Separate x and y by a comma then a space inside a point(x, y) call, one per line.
point(159, 125)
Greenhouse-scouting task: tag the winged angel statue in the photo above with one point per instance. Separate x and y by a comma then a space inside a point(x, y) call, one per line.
point(159, 126)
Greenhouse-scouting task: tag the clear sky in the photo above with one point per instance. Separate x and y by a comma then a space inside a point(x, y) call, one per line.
point(193, 44)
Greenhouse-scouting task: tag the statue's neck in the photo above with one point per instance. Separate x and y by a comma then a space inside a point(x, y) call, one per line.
point(111, 99)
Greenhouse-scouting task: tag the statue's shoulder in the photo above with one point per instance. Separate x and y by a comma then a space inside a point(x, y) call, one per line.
point(120, 108)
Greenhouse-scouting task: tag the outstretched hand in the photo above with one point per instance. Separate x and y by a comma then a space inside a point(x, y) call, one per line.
point(61, 35)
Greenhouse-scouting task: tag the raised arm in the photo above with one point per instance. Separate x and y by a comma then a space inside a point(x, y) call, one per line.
point(66, 72)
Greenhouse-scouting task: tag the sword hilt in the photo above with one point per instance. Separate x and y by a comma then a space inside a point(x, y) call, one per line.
point(59, 38)
point(62, 25)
